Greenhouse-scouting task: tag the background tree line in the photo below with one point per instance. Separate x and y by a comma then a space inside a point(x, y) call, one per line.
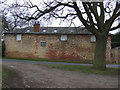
point(116, 40)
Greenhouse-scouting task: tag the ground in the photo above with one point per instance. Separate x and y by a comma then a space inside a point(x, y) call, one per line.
point(38, 76)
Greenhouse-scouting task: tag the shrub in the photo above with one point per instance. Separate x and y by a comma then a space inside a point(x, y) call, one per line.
point(3, 49)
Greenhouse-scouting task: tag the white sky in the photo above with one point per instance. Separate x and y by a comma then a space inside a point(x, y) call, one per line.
point(55, 23)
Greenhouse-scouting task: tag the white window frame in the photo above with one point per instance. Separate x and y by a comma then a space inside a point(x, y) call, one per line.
point(93, 38)
point(63, 38)
point(18, 37)
point(44, 30)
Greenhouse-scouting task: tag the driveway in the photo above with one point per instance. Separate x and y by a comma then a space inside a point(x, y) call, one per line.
point(37, 76)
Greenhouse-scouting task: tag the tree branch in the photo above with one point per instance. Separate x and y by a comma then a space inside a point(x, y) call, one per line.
point(66, 4)
point(70, 14)
point(79, 14)
point(116, 13)
point(85, 4)
point(40, 14)
point(115, 28)
point(102, 16)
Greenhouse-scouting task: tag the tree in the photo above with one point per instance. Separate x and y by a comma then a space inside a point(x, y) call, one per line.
point(10, 23)
point(6, 24)
point(97, 17)
point(116, 40)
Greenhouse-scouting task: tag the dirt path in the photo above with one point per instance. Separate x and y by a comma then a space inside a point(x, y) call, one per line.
point(36, 76)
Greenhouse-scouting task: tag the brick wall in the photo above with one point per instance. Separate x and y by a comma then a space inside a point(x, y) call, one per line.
point(115, 54)
point(77, 47)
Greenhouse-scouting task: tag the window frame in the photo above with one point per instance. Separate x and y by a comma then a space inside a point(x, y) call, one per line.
point(43, 43)
point(92, 38)
point(63, 37)
point(19, 37)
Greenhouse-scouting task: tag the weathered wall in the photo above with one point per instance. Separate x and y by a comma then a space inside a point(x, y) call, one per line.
point(108, 50)
point(115, 54)
point(77, 47)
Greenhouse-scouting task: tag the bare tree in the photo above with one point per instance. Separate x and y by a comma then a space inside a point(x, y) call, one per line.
point(97, 17)
point(11, 23)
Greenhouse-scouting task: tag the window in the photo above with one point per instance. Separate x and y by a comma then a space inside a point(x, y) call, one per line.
point(28, 30)
point(44, 30)
point(63, 38)
point(43, 43)
point(18, 37)
point(55, 31)
point(93, 38)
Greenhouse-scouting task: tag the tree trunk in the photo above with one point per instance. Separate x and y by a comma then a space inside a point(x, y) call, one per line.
point(100, 52)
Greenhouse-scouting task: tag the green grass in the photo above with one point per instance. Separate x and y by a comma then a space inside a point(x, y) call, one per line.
point(0, 75)
point(7, 74)
point(0, 72)
point(84, 69)
point(82, 61)
point(112, 62)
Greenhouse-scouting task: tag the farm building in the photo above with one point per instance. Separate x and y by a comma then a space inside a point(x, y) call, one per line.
point(58, 43)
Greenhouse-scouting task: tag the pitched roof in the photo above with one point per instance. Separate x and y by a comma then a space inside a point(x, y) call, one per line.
point(51, 30)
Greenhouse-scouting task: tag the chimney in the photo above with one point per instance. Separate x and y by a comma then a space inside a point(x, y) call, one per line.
point(36, 27)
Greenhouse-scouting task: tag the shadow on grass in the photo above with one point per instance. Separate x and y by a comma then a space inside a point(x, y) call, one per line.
point(63, 61)
point(53, 60)
point(84, 69)
point(10, 78)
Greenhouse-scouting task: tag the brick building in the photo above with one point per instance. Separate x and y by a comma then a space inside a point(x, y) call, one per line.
point(58, 43)
point(115, 54)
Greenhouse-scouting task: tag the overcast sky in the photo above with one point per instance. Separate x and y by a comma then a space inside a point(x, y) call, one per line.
point(54, 23)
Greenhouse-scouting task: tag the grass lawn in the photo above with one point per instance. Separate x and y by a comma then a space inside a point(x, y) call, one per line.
point(85, 69)
point(7, 75)
point(0, 76)
point(0, 72)
point(82, 62)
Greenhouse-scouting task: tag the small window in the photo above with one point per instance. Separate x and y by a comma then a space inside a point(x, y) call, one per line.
point(18, 37)
point(63, 38)
point(28, 30)
point(71, 31)
point(93, 38)
point(55, 31)
point(44, 30)
point(43, 43)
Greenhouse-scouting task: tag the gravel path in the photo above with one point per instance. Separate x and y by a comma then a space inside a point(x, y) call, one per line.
point(36, 76)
